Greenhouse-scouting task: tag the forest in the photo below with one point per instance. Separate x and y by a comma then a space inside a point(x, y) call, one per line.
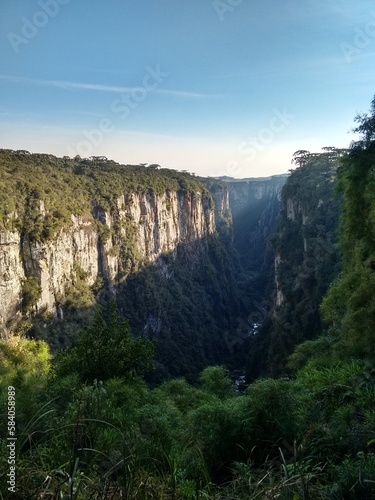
point(88, 425)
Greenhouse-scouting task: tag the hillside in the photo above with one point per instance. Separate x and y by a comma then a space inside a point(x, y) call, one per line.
point(75, 232)
point(185, 258)
point(306, 257)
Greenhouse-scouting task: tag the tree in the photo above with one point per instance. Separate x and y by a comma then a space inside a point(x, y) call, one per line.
point(300, 157)
point(106, 350)
point(216, 380)
point(23, 360)
point(366, 127)
point(350, 303)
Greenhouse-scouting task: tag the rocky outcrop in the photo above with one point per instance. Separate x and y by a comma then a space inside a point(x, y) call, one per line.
point(106, 244)
point(246, 193)
point(280, 299)
point(11, 274)
point(162, 222)
point(305, 257)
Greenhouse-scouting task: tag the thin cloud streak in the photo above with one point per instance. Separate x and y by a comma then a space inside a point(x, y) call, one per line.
point(99, 87)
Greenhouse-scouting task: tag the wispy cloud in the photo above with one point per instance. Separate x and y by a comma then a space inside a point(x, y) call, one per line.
point(100, 88)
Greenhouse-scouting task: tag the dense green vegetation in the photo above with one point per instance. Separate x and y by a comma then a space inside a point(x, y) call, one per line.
point(308, 436)
point(40, 193)
point(350, 304)
point(305, 245)
point(105, 350)
point(79, 437)
point(32, 187)
point(187, 308)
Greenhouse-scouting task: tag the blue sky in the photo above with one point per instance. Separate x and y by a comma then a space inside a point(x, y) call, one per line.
point(216, 87)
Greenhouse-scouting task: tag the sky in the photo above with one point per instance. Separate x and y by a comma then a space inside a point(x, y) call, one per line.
point(214, 87)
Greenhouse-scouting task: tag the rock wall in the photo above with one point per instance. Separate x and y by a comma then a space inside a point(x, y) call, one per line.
point(247, 193)
point(150, 224)
point(305, 258)
point(11, 274)
point(255, 206)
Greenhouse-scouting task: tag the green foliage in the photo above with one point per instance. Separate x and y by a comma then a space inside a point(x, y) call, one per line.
point(44, 194)
point(334, 405)
point(105, 350)
point(216, 381)
point(270, 412)
point(183, 396)
point(305, 244)
point(40, 191)
point(24, 365)
point(350, 306)
point(23, 361)
point(355, 477)
point(78, 294)
point(318, 349)
point(31, 292)
point(211, 430)
point(188, 302)
point(118, 438)
point(350, 303)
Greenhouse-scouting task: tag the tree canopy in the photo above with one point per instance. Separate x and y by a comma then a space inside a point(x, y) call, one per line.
point(106, 350)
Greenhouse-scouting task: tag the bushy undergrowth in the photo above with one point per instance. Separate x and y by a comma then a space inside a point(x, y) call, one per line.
point(312, 437)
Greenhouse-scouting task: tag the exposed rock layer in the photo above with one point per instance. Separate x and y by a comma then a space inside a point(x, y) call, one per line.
point(151, 224)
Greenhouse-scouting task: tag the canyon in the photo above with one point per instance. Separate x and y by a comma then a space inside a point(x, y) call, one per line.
point(188, 260)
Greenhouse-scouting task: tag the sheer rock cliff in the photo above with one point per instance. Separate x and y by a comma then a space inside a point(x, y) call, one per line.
point(106, 244)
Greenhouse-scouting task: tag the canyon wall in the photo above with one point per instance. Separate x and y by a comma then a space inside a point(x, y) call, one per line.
point(109, 244)
point(305, 260)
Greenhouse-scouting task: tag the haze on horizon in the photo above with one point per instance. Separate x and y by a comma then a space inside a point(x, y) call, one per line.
point(218, 87)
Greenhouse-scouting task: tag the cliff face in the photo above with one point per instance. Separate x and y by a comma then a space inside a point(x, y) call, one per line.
point(141, 228)
point(255, 206)
point(11, 273)
point(67, 224)
point(162, 222)
point(305, 257)
point(249, 193)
